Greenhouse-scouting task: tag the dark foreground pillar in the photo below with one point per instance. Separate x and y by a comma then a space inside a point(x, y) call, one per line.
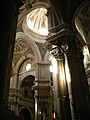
point(79, 84)
point(8, 22)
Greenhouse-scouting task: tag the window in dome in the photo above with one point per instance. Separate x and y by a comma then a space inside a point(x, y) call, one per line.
point(37, 21)
point(28, 66)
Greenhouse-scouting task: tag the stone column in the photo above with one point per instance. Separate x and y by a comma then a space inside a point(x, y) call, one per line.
point(79, 85)
point(63, 94)
point(8, 21)
point(36, 104)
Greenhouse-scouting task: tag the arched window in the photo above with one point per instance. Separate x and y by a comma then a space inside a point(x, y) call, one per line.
point(28, 66)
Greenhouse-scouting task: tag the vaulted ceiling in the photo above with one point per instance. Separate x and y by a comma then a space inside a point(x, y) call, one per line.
point(72, 11)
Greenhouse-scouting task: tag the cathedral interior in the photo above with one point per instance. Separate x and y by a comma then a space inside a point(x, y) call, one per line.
point(45, 60)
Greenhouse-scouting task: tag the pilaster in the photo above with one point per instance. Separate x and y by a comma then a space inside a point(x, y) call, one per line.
point(43, 89)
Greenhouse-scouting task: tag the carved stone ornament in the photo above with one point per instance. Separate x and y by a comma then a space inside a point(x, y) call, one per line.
point(84, 17)
point(84, 12)
point(21, 48)
point(42, 49)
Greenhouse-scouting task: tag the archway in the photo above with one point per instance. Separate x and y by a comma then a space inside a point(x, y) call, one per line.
point(26, 87)
point(25, 114)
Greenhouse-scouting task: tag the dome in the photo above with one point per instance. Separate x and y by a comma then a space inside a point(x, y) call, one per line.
point(37, 21)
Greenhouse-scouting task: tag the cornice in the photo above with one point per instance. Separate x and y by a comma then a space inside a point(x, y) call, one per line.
point(58, 37)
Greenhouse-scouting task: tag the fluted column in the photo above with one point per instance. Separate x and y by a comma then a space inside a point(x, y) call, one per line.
point(8, 22)
point(63, 94)
point(63, 91)
point(79, 85)
point(65, 34)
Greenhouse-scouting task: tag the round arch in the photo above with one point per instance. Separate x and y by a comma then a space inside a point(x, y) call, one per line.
point(33, 45)
point(77, 22)
point(28, 109)
point(21, 60)
point(20, 82)
point(34, 6)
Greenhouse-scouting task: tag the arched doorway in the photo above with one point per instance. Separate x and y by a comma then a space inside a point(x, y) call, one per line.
point(25, 114)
